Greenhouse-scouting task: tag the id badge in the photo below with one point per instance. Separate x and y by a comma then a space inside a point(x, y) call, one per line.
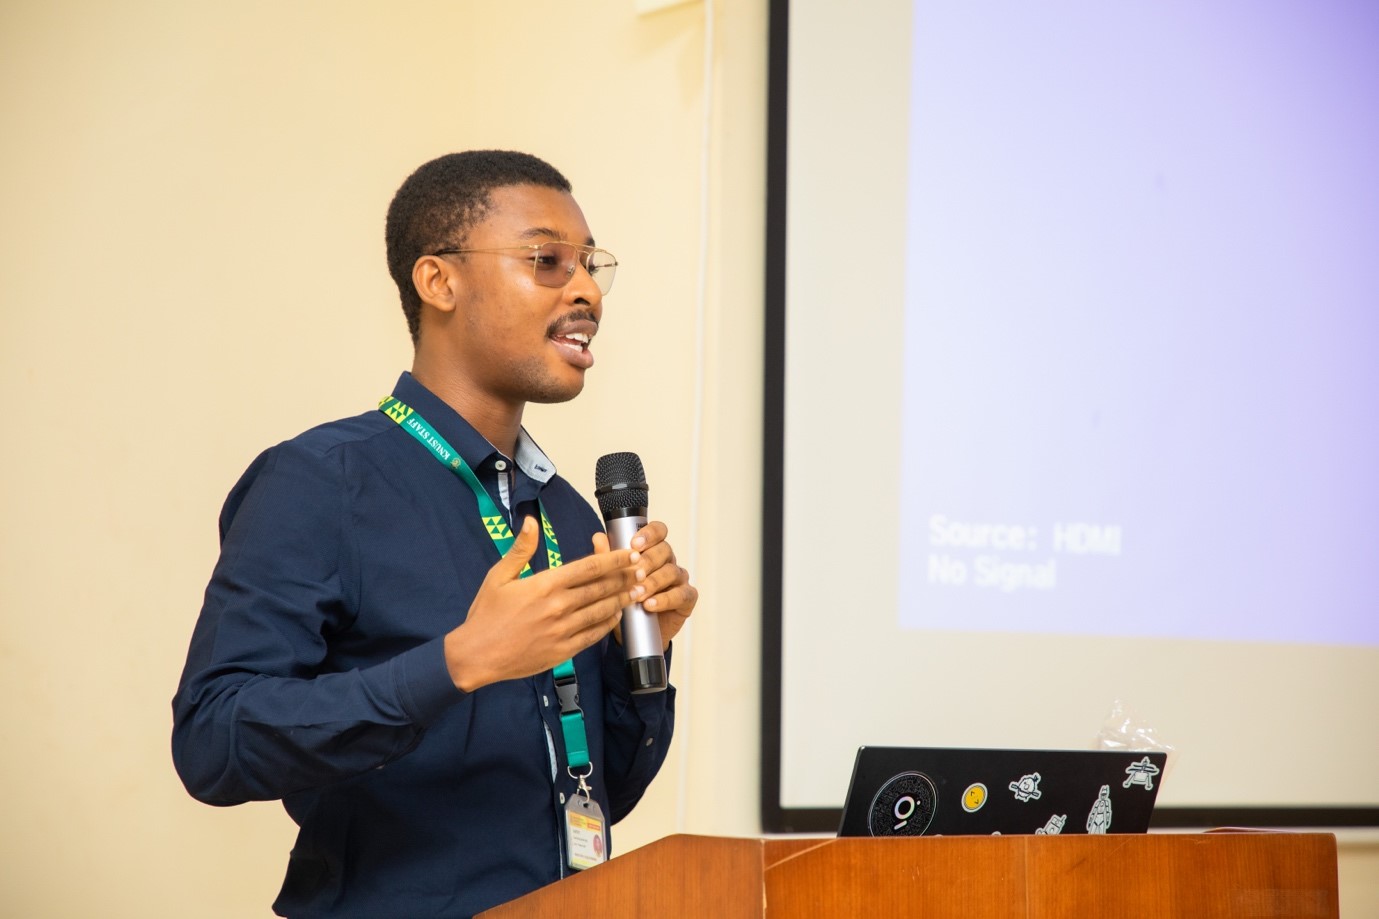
point(585, 840)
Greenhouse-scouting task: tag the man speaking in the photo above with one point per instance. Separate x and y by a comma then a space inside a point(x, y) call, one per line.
point(411, 635)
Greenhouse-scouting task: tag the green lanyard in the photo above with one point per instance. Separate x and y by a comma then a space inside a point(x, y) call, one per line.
point(566, 685)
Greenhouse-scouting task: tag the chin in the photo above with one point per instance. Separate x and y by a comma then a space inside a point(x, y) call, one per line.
point(555, 397)
point(551, 392)
point(541, 383)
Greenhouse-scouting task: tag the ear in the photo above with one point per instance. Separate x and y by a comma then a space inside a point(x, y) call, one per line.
point(437, 282)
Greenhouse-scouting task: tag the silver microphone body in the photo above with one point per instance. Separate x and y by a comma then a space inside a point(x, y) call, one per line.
point(622, 499)
point(641, 631)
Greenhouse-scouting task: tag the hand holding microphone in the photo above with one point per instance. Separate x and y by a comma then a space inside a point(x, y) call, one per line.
point(621, 490)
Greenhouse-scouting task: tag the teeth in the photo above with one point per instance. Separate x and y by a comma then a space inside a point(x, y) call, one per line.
point(578, 336)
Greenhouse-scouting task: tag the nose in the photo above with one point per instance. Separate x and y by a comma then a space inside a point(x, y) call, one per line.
point(583, 290)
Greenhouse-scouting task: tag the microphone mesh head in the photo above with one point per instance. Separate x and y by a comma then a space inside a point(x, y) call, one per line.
point(620, 482)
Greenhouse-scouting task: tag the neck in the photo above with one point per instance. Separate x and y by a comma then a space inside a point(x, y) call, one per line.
point(497, 420)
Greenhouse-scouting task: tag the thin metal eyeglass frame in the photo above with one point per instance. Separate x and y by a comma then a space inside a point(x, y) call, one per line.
point(584, 261)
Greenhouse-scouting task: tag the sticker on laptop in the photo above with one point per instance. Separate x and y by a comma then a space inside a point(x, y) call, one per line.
point(1141, 773)
point(1027, 789)
point(1053, 827)
point(904, 806)
point(1099, 820)
point(974, 797)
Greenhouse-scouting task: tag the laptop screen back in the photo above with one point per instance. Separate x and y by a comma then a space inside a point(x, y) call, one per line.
point(932, 791)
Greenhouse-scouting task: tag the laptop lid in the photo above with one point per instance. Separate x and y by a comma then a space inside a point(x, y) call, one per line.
point(933, 791)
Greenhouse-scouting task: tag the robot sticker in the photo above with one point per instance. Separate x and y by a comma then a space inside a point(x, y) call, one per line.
point(1141, 773)
point(1053, 827)
point(1099, 820)
point(1027, 789)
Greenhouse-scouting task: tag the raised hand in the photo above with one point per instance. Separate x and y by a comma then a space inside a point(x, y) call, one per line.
point(520, 626)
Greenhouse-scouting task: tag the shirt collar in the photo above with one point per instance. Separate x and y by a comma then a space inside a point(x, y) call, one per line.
point(468, 442)
point(532, 460)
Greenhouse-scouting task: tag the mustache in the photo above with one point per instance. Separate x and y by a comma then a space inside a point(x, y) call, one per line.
point(572, 316)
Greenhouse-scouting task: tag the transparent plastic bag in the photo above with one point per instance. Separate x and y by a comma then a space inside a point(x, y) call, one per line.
point(1124, 729)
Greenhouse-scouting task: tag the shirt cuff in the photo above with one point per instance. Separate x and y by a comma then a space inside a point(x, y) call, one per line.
point(422, 679)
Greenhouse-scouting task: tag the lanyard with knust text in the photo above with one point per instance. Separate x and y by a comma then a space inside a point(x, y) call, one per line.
point(566, 685)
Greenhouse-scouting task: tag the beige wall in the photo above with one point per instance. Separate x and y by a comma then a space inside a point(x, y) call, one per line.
point(191, 269)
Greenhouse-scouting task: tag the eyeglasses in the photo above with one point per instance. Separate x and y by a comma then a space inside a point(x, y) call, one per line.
point(553, 263)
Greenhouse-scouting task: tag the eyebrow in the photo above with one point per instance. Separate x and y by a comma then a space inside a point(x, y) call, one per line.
point(535, 232)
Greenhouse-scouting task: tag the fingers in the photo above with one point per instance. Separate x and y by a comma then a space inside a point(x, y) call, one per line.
point(590, 593)
point(653, 559)
point(680, 597)
point(656, 570)
point(598, 619)
point(574, 586)
point(672, 607)
point(648, 536)
point(593, 567)
point(662, 586)
point(523, 547)
point(615, 586)
point(588, 624)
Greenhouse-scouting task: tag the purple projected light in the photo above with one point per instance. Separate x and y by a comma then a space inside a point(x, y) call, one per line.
point(1142, 335)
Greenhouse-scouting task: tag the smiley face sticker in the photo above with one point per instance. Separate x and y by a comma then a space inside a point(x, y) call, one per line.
point(974, 797)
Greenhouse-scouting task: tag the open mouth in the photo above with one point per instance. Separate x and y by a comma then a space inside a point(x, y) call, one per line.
point(572, 338)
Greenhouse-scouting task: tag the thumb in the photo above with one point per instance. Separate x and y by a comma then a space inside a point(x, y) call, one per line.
point(512, 563)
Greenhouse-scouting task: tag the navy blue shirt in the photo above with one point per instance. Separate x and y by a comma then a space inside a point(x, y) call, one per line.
point(317, 675)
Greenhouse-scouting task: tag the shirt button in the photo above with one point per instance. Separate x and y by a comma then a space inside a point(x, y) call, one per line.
point(500, 465)
point(546, 701)
point(650, 741)
point(562, 797)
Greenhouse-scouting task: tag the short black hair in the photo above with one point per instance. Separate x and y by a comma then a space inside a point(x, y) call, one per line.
point(436, 206)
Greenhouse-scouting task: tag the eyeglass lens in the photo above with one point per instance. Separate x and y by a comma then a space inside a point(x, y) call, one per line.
point(555, 264)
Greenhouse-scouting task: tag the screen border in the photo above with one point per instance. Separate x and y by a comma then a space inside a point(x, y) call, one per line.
point(775, 817)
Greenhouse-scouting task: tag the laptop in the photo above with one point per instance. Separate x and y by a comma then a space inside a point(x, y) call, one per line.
point(933, 791)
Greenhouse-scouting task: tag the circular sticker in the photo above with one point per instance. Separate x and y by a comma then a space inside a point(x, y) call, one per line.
point(904, 806)
point(974, 797)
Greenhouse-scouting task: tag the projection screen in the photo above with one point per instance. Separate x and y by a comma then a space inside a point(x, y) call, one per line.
point(1072, 394)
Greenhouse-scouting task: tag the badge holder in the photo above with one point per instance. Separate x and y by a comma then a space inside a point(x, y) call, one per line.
point(585, 839)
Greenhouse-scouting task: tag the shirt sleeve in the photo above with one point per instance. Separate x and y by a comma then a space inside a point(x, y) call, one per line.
point(637, 731)
point(259, 714)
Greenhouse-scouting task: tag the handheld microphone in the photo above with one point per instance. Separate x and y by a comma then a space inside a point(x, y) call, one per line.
point(620, 486)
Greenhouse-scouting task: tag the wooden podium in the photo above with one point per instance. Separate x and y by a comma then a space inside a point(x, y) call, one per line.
point(1190, 875)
